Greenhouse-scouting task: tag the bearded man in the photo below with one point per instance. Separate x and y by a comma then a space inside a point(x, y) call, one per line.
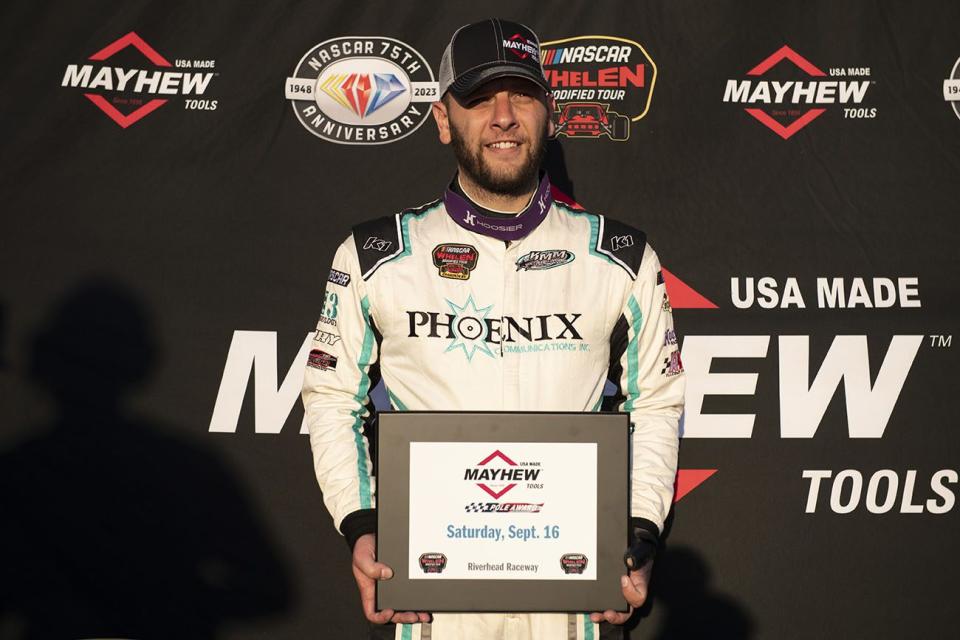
point(495, 248)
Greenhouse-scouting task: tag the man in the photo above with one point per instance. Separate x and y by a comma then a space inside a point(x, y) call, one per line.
point(494, 297)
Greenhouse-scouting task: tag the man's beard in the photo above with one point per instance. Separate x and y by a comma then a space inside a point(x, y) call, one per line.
point(482, 174)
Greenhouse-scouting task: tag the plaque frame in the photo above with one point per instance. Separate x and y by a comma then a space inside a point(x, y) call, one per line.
point(396, 430)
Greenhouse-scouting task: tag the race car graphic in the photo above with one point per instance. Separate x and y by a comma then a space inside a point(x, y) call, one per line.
point(591, 120)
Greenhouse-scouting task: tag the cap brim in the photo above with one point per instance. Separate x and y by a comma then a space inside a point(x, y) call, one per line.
point(471, 80)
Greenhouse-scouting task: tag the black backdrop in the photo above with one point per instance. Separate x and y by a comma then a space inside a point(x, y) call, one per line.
point(146, 267)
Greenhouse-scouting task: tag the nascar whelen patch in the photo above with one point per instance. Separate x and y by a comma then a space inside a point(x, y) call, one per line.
point(455, 261)
point(433, 562)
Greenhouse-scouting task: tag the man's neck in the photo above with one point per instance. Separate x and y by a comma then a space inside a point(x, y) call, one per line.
point(497, 202)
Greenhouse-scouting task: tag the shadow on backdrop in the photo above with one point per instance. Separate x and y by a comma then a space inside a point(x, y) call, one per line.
point(686, 604)
point(113, 525)
point(556, 165)
point(3, 336)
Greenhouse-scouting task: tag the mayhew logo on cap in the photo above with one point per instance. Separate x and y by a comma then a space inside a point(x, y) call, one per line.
point(116, 81)
point(786, 103)
point(362, 90)
point(601, 84)
point(522, 47)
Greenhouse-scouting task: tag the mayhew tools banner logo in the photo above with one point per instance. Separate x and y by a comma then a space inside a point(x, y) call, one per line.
point(128, 80)
point(601, 84)
point(951, 88)
point(362, 90)
point(786, 92)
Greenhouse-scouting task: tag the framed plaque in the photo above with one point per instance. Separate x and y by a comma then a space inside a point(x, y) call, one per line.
point(492, 511)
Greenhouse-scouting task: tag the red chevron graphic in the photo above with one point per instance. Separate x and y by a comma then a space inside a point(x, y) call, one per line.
point(135, 41)
point(792, 128)
point(785, 53)
point(688, 480)
point(496, 454)
point(129, 40)
point(682, 295)
point(496, 494)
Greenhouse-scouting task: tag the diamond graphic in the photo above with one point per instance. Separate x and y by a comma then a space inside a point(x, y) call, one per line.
point(357, 90)
point(330, 86)
point(362, 93)
point(388, 88)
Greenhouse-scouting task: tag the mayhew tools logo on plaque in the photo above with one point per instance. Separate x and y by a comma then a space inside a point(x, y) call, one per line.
point(362, 90)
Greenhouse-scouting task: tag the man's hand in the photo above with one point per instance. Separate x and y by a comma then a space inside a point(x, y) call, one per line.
point(366, 571)
point(634, 587)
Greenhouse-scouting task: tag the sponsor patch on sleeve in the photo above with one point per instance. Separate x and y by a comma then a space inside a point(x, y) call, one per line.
point(672, 365)
point(322, 360)
point(339, 277)
point(325, 337)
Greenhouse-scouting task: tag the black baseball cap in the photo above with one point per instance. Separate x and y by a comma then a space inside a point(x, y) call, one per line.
point(490, 49)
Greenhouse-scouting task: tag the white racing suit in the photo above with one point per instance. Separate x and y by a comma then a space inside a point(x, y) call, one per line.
point(454, 318)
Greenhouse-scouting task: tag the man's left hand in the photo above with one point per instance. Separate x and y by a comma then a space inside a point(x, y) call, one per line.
point(634, 588)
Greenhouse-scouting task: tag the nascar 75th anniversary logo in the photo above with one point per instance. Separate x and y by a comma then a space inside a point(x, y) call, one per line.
point(362, 90)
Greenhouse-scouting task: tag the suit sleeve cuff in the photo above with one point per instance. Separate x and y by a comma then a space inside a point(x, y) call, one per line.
point(358, 523)
point(645, 529)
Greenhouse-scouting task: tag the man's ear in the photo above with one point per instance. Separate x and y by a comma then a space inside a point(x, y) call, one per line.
point(551, 117)
point(442, 119)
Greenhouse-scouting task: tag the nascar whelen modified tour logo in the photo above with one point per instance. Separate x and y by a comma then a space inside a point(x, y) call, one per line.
point(362, 90)
point(601, 84)
point(786, 92)
point(117, 81)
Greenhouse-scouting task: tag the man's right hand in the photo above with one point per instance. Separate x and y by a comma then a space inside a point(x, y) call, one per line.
point(366, 571)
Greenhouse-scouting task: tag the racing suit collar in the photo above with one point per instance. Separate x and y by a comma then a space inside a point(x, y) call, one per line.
point(466, 214)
